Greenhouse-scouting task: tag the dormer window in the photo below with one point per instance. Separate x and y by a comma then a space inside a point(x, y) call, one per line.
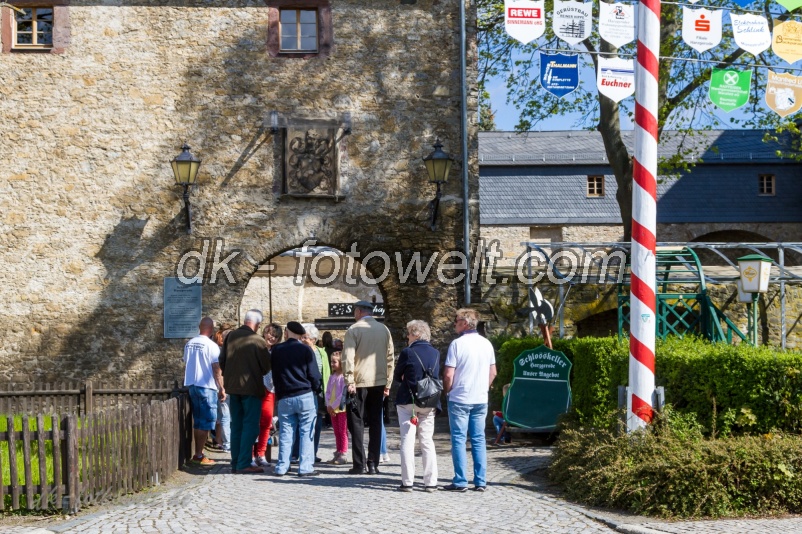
point(595, 186)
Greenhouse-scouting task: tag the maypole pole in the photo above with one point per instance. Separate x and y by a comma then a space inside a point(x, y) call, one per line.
point(644, 219)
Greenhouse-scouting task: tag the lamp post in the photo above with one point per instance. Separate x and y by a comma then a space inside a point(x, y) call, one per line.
point(185, 169)
point(438, 165)
point(755, 270)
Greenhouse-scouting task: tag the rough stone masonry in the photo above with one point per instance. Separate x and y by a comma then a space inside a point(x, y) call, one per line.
point(91, 221)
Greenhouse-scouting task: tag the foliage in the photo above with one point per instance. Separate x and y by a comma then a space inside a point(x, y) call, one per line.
point(732, 388)
point(487, 118)
point(682, 87)
point(672, 470)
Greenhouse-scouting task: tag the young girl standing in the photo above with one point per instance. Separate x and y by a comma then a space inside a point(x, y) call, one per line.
point(335, 405)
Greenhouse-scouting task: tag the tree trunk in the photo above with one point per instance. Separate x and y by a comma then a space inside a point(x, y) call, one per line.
point(619, 158)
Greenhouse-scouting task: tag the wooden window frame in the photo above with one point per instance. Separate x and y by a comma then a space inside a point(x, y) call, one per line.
point(297, 11)
point(593, 181)
point(35, 22)
point(61, 27)
point(325, 31)
point(761, 189)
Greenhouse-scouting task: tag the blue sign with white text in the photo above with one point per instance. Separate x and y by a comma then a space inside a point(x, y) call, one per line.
point(559, 73)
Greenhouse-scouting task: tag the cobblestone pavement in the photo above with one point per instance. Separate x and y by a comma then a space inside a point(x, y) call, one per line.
point(220, 502)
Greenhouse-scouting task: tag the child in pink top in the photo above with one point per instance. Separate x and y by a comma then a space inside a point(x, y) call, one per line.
point(335, 405)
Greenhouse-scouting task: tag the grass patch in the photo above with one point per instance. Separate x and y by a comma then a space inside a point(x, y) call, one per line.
point(673, 470)
point(20, 458)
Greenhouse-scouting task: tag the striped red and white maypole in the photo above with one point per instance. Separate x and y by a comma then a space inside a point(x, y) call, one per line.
point(644, 219)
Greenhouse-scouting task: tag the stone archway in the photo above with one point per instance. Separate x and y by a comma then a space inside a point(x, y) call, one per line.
point(310, 286)
point(709, 258)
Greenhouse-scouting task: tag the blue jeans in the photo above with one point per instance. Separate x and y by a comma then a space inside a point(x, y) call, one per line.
point(468, 420)
point(318, 428)
point(297, 415)
point(204, 407)
point(224, 418)
point(498, 422)
point(246, 411)
point(383, 449)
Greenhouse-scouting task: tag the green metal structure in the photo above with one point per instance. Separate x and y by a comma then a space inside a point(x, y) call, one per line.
point(683, 305)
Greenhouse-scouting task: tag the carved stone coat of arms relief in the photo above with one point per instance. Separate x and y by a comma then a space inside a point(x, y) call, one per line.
point(311, 162)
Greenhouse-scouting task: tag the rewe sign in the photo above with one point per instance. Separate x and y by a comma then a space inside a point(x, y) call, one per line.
point(524, 20)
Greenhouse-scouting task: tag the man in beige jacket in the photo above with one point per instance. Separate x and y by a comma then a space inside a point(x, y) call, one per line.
point(368, 368)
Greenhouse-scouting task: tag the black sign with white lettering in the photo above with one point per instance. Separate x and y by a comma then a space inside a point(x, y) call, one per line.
point(338, 309)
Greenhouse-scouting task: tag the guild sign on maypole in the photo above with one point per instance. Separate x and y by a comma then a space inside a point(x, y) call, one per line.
point(644, 219)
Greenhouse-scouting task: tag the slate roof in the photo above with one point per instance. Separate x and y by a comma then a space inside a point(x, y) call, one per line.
point(551, 188)
point(586, 147)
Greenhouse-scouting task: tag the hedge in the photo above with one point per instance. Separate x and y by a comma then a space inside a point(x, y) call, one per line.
point(672, 470)
point(730, 388)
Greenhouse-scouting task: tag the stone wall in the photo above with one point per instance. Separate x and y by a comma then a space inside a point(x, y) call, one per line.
point(91, 222)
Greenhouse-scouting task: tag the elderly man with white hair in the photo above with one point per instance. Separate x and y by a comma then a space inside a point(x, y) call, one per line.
point(244, 361)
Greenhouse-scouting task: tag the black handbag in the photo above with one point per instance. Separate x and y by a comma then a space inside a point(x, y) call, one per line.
point(429, 387)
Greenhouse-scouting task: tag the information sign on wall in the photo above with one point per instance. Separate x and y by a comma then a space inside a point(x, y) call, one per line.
point(182, 309)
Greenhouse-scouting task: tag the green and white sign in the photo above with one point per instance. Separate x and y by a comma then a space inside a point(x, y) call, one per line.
point(790, 5)
point(540, 390)
point(729, 88)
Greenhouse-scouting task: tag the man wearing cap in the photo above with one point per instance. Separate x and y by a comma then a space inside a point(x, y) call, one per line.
point(297, 379)
point(244, 361)
point(368, 368)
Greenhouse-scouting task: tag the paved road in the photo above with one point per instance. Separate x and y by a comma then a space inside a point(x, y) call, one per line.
point(220, 502)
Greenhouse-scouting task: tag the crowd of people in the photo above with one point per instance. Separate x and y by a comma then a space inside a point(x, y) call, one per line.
point(252, 385)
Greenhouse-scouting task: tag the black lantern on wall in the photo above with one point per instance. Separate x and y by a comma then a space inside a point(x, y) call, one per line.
point(185, 169)
point(438, 165)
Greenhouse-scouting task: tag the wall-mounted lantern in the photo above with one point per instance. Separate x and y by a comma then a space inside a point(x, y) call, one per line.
point(755, 271)
point(438, 165)
point(185, 169)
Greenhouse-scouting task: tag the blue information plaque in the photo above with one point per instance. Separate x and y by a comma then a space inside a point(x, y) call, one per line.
point(182, 309)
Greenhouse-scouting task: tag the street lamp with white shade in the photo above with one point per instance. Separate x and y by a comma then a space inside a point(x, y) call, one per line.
point(755, 270)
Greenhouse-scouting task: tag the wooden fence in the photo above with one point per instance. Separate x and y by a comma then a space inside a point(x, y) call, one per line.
point(71, 461)
point(82, 398)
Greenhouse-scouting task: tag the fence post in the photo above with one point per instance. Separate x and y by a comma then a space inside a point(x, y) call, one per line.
point(88, 401)
point(72, 462)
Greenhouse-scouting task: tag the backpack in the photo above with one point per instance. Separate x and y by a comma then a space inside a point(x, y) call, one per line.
point(429, 388)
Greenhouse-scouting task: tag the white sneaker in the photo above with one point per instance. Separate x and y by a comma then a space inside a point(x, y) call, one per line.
point(384, 459)
point(261, 461)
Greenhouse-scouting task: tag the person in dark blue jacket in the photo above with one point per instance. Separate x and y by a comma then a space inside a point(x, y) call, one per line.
point(297, 379)
point(419, 355)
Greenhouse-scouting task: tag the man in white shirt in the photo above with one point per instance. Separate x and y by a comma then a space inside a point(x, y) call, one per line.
point(469, 370)
point(205, 382)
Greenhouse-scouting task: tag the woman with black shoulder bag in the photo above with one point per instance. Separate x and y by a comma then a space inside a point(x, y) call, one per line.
point(418, 401)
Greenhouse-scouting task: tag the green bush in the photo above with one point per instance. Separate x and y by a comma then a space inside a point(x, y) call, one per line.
point(672, 470)
point(741, 389)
